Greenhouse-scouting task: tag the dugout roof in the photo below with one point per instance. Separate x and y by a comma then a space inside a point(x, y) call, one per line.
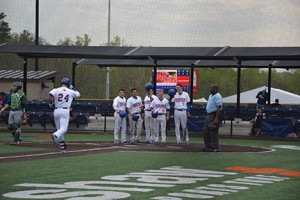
point(155, 53)
point(188, 63)
point(33, 75)
point(287, 57)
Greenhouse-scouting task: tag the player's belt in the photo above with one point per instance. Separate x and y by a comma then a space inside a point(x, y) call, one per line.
point(136, 113)
point(61, 108)
point(16, 109)
point(181, 109)
point(212, 113)
point(161, 113)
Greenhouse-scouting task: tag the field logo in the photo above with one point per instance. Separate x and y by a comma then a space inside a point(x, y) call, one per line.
point(121, 186)
point(291, 147)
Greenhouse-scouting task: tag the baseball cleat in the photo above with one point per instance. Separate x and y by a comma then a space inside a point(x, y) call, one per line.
point(116, 142)
point(54, 142)
point(63, 151)
point(14, 143)
point(187, 142)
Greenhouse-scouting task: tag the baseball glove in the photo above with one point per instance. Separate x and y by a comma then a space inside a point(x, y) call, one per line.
point(24, 120)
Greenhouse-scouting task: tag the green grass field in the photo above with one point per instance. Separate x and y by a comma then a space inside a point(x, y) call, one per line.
point(92, 167)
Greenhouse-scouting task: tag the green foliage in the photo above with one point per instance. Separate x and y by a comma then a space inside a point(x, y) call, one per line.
point(225, 78)
point(116, 42)
point(80, 41)
point(4, 29)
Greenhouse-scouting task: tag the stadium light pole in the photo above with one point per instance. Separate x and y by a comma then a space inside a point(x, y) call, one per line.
point(36, 42)
point(108, 44)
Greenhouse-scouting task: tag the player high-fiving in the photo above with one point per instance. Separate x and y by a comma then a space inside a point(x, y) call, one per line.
point(62, 98)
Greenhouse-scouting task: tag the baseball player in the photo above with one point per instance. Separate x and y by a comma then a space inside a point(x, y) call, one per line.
point(119, 105)
point(182, 110)
point(17, 102)
point(161, 107)
point(148, 117)
point(134, 108)
point(62, 98)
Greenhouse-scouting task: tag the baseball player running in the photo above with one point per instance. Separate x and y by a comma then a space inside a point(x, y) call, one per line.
point(119, 106)
point(182, 109)
point(161, 107)
point(62, 98)
point(134, 108)
point(148, 117)
point(17, 102)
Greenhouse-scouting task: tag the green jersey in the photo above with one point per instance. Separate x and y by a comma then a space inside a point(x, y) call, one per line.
point(17, 101)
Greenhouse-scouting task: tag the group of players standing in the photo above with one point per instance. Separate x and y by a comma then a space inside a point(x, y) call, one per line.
point(155, 112)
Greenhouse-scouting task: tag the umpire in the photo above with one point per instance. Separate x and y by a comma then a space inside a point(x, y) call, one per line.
point(213, 120)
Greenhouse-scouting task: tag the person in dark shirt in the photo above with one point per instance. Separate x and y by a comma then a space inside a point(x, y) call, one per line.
point(262, 98)
point(276, 104)
point(256, 122)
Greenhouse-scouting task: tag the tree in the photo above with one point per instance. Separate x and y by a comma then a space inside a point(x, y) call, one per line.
point(4, 29)
point(25, 38)
point(80, 41)
point(116, 42)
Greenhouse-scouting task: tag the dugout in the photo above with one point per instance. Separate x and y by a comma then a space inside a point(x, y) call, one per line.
point(193, 57)
point(39, 82)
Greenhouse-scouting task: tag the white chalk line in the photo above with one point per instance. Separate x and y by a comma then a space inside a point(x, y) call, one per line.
point(54, 153)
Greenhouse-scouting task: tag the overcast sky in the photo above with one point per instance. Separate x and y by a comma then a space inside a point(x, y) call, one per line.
point(163, 22)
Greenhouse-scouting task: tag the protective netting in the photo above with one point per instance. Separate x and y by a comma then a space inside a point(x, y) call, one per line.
point(162, 23)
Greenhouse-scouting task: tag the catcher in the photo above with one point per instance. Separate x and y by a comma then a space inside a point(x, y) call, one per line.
point(17, 102)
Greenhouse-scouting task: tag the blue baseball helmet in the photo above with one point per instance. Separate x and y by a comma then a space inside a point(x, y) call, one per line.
point(135, 117)
point(123, 113)
point(148, 86)
point(154, 114)
point(66, 81)
point(171, 92)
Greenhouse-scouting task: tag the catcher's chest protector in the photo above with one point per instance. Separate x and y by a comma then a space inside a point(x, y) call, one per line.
point(15, 100)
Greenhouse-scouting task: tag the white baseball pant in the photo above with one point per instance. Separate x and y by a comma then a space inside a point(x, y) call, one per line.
point(180, 118)
point(119, 123)
point(61, 119)
point(135, 126)
point(160, 122)
point(149, 123)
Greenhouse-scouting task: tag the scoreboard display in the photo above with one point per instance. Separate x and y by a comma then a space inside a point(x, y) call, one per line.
point(168, 79)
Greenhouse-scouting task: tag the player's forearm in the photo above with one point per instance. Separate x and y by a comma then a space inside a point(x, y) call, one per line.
point(5, 107)
point(217, 114)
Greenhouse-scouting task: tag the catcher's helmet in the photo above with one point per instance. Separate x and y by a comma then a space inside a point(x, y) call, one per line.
point(123, 113)
point(135, 117)
point(171, 92)
point(17, 85)
point(148, 86)
point(66, 81)
point(154, 114)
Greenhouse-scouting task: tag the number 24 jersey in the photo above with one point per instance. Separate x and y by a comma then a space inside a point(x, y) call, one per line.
point(63, 97)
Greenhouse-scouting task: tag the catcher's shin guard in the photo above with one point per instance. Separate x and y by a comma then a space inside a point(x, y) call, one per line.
point(17, 136)
point(11, 127)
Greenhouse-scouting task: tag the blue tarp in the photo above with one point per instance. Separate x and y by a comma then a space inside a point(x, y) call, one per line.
point(277, 127)
point(195, 124)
